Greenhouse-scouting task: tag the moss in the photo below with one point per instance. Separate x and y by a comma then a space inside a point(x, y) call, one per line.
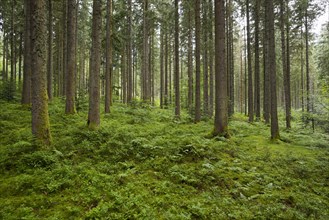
point(142, 164)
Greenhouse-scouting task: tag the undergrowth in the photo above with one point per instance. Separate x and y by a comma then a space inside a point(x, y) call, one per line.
point(144, 164)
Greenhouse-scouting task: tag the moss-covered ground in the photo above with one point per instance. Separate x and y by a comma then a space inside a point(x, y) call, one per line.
point(143, 164)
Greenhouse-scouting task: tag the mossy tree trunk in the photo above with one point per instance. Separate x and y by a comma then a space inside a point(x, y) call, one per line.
point(40, 118)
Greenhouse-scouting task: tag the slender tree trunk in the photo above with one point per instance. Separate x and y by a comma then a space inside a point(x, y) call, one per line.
point(71, 58)
point(302, 71)
point(285, 62)
point(50, 52)
point(123, 76)
point(129, 55)
point(308, 104)
point(272, 69)
point(231, 60)
point(95, 63)
point(145, 58)
point(197, 62)
point(257, 62)
point(26, 92)
point(221, 104)
point(250, 88)
point(20, 59)
point(166, 72)
point(108, 54)
point(190, 61)
point(4, 74)
point(205, 61)
point(267, 90)
point(177, 87)
point(64, 64)
point(40, 118)
point(12, 49)
point(161, 67)
point(211, 60)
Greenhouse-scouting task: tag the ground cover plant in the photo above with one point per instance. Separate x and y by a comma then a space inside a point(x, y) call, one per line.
point(143, 164)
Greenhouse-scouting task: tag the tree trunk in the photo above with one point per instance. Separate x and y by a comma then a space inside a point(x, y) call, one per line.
point(166, 72)
point(26, 92)
point(190, 62)
point(257, 62)
point(267, 90)
point(221, 117)
point(95, 63)
point(177, 88)
point(129, 55)
point(285, 58)
point(250, 88)
point(272, 69)
point(197, 62)
point(205, 61)
point(50, 52)
point(145, 58)
point(308, 104)
point(71, 58)
point(211, 60)
point(108, 54)
point(161, 67)
point(40, 118)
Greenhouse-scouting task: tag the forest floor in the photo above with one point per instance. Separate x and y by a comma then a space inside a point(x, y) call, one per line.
point(142, 164)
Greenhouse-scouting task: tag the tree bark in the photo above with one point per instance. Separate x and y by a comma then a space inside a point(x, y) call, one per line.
point(211, 61)
point(308, 104)
point(257, 62)
point(221, 99)
point(197, 62)
point(40, 118)
point(129, 55)
point(250, 88)
point(272, 69)
point(108, 57)
point(95, 63)
point(71, 58)
point(205, 61)
point(177, 88)
point(50, 52)
point(190, 61)
point(285, 57)
point(27, 63)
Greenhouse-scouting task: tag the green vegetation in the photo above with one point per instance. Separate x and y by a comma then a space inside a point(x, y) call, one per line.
point(142, 164)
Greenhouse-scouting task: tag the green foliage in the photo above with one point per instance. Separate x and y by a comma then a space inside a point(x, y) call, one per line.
point(7, 91)
point(142, 164)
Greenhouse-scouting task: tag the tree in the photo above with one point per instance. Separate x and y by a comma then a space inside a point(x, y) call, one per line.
point(221, 117)
point(129, 55)
point(26, 92)
point(257, 62)
point(71, 57)
point(95, 63)
point(50, 51)
point(197, 62)
point(285, 55)
point(108, 57)
point(250, 89)
point(177, 91)
point(271, 68)
point(40, 118)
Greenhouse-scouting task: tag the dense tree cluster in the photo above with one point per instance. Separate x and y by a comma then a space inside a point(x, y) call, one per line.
point(212, 58)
